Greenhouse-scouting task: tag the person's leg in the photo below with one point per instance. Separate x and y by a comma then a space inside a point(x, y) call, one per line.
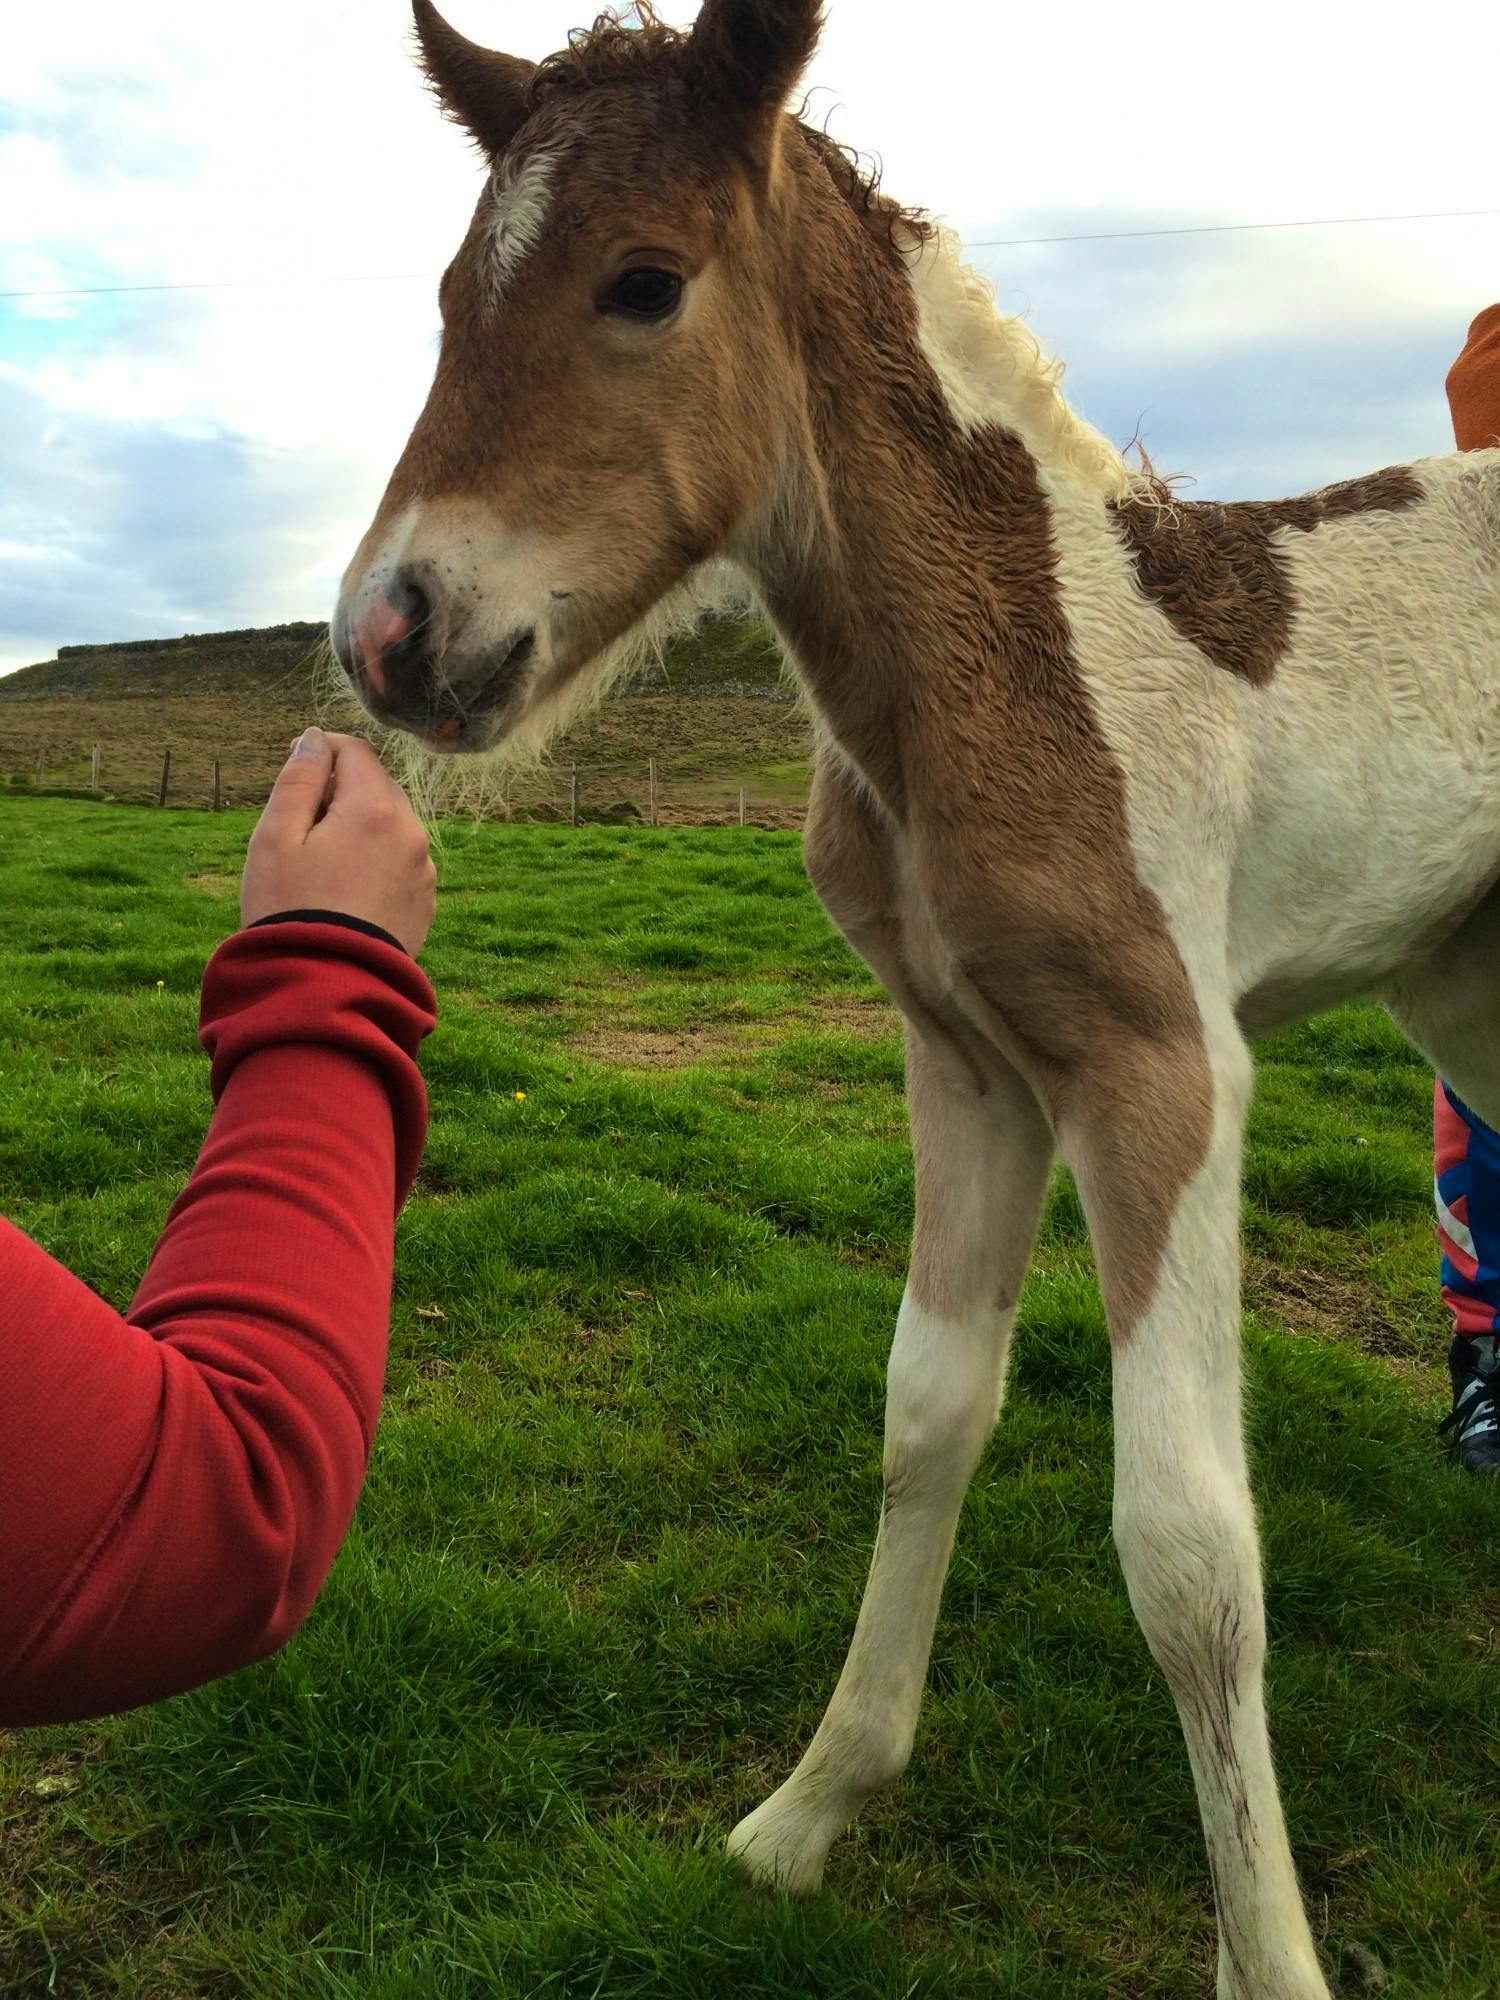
point(1466, 1175)
point(1450, 1007)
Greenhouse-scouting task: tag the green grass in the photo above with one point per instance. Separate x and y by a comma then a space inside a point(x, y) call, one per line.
point(621, 1505)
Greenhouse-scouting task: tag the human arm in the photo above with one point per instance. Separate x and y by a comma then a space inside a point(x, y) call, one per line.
point(176, 1481)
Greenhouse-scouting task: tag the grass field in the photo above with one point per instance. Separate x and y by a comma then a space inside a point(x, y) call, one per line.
point(627, 1478)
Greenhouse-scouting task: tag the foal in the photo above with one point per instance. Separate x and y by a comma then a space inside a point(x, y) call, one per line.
point(1103, 781)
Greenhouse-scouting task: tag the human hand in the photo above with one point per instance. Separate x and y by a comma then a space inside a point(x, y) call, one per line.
point(339, 834)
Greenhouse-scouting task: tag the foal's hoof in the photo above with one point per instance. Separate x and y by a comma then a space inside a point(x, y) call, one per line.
point(778, 1848)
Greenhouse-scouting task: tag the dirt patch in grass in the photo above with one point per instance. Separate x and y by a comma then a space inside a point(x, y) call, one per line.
point(869, 1016)
point(1339, 1308)
point(636, 1046)
point(213, 884)
point(663, 1048)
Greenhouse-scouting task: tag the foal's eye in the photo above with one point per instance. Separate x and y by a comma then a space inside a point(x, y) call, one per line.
point(643, 294)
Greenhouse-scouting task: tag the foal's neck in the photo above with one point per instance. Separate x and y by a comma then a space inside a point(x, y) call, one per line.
point(908, 568)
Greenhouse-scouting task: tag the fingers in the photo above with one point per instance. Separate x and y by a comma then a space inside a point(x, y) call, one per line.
point(297, 796)
point(339, 834)
point(365, 794)
point(360, 780)
point(335, 776)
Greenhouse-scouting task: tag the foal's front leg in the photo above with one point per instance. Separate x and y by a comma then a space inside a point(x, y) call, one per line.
point(1168, 1254)
point(981, 1165)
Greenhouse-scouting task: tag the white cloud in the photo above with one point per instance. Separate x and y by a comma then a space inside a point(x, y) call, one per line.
point(277, 156)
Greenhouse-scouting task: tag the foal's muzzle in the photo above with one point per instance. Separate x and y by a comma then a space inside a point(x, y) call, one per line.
point(405, 672)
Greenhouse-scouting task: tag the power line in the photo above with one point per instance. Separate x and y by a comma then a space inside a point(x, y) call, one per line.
point(993, 243)
point(219, 285)
point(1233, 228)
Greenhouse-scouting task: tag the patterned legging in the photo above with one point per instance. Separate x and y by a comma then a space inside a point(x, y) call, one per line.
point(1466, 1166)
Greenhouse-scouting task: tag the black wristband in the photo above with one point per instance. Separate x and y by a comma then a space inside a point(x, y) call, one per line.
point(329, 917)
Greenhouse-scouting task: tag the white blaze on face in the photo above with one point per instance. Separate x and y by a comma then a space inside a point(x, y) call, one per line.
point(519, 202)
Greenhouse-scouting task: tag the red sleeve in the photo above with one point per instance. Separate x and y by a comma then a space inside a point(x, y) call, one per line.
point(174, 1484)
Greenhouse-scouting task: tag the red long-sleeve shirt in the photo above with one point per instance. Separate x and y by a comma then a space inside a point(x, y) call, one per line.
point(174, 1484)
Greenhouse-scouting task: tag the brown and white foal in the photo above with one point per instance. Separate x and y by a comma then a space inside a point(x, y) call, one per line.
point(1104, 781)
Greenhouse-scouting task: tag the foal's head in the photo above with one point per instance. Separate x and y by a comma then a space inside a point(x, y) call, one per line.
point(618, 374)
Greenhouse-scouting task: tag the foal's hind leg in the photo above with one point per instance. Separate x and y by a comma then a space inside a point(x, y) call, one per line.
point(981, 1162)
point(1184, 1521)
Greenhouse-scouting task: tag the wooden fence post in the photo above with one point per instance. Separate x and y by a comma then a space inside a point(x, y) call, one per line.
point(218, 792)
point(651, 786)
point(166, 771)
point(94, 770)
point(742, 805)
point(575, 795)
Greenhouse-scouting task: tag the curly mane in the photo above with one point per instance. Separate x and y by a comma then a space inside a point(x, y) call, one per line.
point(611, 52)
point(858, 180)
point(617, 49)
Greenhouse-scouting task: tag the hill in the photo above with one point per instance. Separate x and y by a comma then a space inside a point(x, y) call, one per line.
point(715, 715)
point(265, 659)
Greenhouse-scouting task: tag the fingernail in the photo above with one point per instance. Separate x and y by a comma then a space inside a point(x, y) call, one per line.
point(309, 743)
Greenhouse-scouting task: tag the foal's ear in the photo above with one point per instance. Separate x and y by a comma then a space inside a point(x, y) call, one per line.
point(747, 54)
point(483, 90)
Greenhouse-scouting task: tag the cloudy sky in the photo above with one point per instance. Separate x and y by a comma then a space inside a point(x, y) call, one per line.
point(206, 456)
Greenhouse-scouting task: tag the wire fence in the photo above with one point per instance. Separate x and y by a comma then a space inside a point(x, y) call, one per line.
point(643, 792)
point(165, 773)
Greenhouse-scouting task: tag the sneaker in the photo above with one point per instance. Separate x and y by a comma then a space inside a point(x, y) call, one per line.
point(1474, 1364)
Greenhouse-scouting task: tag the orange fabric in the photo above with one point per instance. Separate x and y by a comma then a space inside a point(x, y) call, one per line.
point(1474, 385)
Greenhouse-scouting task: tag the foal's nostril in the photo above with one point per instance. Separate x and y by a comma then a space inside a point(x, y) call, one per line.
point(409, 601)
point(386, 632)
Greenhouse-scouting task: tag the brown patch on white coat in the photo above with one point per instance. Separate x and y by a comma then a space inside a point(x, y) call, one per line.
point(1097, 770)
point(1217, 571)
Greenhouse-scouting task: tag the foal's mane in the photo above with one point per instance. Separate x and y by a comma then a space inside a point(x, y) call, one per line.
point(857, 178)
point(611, 51)
point(645, 49)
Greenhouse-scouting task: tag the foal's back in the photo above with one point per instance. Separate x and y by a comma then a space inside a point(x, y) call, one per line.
point(1310, 691)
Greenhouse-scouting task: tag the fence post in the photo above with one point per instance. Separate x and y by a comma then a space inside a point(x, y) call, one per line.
point(651, 786)
point(575, 795)
point(218, 794)
point(166, 770)
point(94, 770)
point(742, 805)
